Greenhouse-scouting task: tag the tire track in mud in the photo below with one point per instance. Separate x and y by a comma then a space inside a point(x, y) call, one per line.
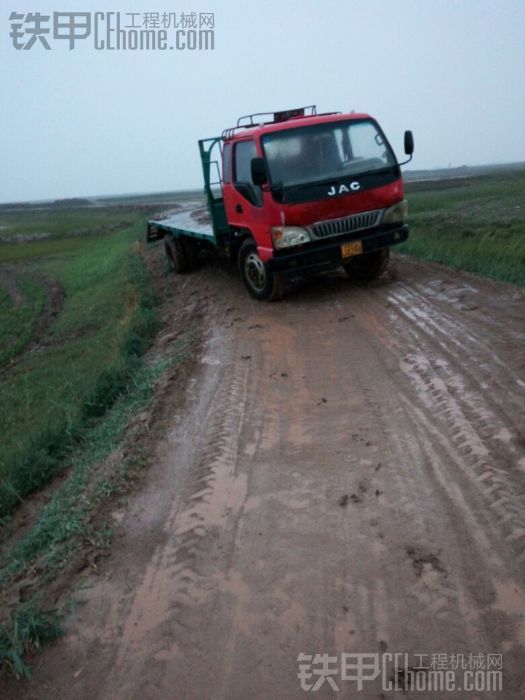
point(417, 309)
point(479, 434)
point(401, 494)
point(434, 461)
point(209, 497)
point(456, 435)
point(433, 592)
point(433, 314)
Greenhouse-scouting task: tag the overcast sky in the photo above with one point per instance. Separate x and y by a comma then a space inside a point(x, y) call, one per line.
point(87, 122)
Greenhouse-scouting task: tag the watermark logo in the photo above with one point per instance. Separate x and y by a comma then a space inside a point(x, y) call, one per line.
point(439, 672)
point(114, 31)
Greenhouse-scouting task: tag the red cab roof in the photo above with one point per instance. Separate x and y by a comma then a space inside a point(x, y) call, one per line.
point(239, 133)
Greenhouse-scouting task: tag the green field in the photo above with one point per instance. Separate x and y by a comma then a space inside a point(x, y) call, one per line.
point(53, 386)
point(472, 223)
point(26, 226)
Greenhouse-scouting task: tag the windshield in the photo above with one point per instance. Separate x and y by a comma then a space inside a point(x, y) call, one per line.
point(326, 151)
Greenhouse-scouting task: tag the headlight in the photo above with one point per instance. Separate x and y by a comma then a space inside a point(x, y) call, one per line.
point(396, 214)
point(286, 236)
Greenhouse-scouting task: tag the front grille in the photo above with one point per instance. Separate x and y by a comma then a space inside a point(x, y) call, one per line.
point(349, 224)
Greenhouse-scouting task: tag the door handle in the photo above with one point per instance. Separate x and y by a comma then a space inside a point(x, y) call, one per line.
point(238, 209)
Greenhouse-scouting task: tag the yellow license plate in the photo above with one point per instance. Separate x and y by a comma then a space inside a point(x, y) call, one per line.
point(353, 248)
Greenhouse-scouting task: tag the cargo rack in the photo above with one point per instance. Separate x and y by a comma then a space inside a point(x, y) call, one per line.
point(276, 117)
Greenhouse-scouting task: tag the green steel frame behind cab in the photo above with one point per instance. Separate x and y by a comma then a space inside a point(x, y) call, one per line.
point(217, 231)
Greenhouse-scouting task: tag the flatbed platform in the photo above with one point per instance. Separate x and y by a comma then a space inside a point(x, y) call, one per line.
point(193, 221)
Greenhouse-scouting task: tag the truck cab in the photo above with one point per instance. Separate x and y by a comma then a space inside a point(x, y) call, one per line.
point(312, 191)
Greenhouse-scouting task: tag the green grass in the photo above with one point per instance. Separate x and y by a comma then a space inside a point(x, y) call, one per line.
point(52, 394)
point(63, 224)
point(28, 628)
point(67, 513)
point(36, 251)
point(476, 224)
point(18, 321)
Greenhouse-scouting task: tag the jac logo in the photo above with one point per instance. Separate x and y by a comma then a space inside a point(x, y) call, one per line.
point(343, 189)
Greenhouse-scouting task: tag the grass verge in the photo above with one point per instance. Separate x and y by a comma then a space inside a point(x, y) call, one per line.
point(68, 520)
point(27, 629)
point(475, 224)
point(54, 394)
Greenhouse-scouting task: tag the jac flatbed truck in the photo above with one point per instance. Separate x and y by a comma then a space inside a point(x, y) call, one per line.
point(291, 193)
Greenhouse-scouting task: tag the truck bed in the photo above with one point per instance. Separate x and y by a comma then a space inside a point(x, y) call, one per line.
point(193, 221)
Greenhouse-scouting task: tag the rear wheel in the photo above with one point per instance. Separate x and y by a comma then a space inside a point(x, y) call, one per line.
point(175, 255)
point(368, 266)
point(191, 251)
point(259, 280)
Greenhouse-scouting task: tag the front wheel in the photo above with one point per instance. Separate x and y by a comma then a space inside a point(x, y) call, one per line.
point(259, 280)
point(368, 266)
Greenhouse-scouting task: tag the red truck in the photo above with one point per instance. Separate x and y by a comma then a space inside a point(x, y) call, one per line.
point(294, 192)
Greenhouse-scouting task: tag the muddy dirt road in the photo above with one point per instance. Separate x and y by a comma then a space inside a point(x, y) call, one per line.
point(346, 473)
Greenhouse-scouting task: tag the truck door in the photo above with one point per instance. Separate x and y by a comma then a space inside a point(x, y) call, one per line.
point(244, 200)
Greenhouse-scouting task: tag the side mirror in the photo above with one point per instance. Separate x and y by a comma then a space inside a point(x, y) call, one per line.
point(409, 143)
point(259, 173)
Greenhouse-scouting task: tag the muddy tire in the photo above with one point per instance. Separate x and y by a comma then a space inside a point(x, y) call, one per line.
point(175, 255)
point(368, 266)
point(261, 283)
point(191, 252)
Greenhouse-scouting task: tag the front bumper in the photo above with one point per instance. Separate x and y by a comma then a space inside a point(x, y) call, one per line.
point(326, 255)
